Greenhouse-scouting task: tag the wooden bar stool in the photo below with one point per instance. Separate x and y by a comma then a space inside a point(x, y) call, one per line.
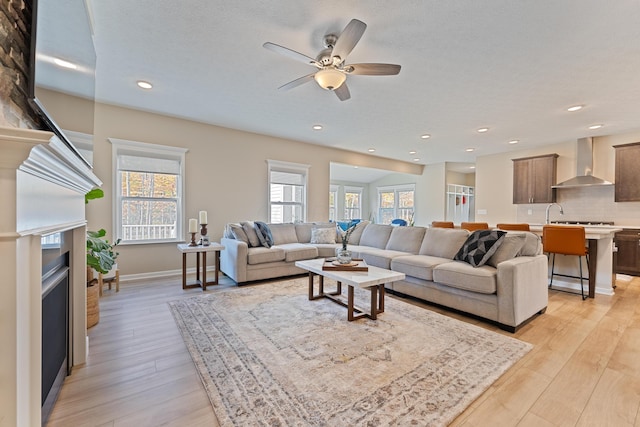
point(442, 224)
point(473, 226)
point(516, 227)
point(565, 240)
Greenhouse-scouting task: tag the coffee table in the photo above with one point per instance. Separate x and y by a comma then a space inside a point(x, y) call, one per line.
point(374, 280)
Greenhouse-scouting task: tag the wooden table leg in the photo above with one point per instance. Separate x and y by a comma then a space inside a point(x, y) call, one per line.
point(310, 286)
point(374, 302)
point(184, 270)
point(381, 292)
point(216, 265)
point(350, 316)
point(204, 270)
point(593, 263)
point(197, 266)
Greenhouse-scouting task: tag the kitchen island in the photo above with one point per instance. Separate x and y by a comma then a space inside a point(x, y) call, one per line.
point(601, 267)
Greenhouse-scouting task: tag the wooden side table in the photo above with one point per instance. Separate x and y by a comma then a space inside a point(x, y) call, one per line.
point(200, 251)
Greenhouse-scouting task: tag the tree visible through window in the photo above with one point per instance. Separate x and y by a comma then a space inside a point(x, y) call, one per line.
point(352, 203)
point(148, 192)
point(396, 202)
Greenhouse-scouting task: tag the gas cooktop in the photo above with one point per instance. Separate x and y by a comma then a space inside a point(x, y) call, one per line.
point(583, 222)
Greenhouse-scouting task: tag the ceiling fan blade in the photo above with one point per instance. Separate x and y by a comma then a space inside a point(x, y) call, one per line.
point(343, 92)
point(291, 54)
point(297, 82)
point(348, 39)
point(372, 69)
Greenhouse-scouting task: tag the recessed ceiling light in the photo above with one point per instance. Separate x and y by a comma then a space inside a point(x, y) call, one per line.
point(144, 85)
point(514, 141)
point(65, 64)
point(355, 167)
point(412, 152)
point(593, 127)
point(425, 136)
point(482, 130)
point(575, 108)
point(469, 149)
point(416, 160)
point(372, 150)
point(472, 167)
point(317, 127)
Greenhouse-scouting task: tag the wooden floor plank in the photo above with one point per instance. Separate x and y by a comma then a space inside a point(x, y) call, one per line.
point(584, 368)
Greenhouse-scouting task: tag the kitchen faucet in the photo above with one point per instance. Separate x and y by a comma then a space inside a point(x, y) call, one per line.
point(546, 215)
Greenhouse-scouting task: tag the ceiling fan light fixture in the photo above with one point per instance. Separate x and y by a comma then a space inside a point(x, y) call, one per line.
point(330, 78)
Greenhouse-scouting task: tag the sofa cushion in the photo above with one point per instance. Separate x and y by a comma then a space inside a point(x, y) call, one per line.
point(509, 248)
point(443, 242)
point(260, 255)
point(303, 231)
point(406, 239)
point(377, 257)
point(374, 235)
point(249, 229)
point(356, 234)
point(419, 266)
point(264, 234)
point(532, 245)
point(283, 233)
point(323, 235)
point(479, 246)
point(298, 251)
point(460, 275)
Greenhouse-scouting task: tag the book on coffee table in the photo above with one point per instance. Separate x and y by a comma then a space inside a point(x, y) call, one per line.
point(354, 265)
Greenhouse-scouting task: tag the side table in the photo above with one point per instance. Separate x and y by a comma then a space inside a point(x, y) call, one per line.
point(200, 251)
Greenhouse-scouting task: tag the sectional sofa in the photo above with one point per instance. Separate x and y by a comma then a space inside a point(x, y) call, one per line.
point(509, 289)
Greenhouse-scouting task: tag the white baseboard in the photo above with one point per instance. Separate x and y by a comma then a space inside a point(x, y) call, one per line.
point(575, 287)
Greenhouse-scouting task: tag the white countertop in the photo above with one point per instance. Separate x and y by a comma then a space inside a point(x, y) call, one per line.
point(591, 231)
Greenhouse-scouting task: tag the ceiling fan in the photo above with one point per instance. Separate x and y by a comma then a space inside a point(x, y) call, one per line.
point(332, 71)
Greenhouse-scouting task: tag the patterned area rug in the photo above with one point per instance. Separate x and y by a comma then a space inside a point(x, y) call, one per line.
point(269, 356)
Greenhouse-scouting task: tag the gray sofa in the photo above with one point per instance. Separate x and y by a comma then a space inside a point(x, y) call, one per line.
point(509, 289)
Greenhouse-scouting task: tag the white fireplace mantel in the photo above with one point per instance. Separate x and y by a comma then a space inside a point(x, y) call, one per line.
point(43, 183)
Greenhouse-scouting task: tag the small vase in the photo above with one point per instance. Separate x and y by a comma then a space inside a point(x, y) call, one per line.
point(344, 255)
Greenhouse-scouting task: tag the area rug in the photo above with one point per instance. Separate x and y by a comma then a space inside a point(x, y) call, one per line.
point(269, 356)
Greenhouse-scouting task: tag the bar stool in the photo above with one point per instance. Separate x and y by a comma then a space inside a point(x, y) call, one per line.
point(473, 226)
point(565, 240)
point(442, 224)
point(516, 227)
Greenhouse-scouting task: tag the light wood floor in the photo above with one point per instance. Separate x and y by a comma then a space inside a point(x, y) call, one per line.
point(584, 368)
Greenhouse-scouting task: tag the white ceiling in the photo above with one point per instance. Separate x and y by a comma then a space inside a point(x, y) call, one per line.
point(512, 66)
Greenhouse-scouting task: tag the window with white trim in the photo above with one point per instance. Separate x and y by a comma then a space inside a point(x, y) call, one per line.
point(148, 192)
point(396, 202)
point(352, 203)
point(333, 202)
point(287, 192)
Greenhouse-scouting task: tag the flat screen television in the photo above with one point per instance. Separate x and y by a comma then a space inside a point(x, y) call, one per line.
point(63, 60)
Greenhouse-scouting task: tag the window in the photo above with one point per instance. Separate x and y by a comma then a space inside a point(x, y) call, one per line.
point(287, 192)
point(148, 190)
point(333, 200)
point(396, 202)
point(352, 203)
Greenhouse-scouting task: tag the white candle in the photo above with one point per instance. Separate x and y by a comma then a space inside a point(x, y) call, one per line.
point(193, 225)
point(203, 217)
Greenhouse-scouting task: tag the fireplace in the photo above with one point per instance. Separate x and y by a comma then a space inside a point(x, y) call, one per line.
point(43, 185)
point(56, 310)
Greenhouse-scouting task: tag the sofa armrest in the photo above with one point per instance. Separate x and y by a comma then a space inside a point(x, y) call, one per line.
point(233, 259)
point(522, 288)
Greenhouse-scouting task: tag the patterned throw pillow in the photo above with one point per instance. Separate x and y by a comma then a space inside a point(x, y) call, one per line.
point(250, 230)
point(479, 247)
point(264, 234)
point(323, 235)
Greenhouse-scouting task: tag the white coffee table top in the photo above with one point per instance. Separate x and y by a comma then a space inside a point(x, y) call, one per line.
point(363, 279)
point(213, 247)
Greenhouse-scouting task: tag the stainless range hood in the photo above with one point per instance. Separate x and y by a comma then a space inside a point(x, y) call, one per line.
point(584, 168)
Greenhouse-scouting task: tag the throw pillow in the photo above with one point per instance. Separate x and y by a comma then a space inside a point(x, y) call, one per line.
point(264, 234)
point(479, 246)
point(249, 229)
point(238, 233)
point(509, 248)
point(323, 235)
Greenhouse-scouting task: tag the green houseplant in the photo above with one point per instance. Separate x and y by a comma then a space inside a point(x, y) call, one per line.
point(101, 255)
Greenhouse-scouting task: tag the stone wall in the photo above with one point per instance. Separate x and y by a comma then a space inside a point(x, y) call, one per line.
point(15, 45)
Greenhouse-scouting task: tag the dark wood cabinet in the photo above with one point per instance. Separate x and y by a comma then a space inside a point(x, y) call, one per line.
point(628, 257)
point(533, 178)
point(627, 176)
